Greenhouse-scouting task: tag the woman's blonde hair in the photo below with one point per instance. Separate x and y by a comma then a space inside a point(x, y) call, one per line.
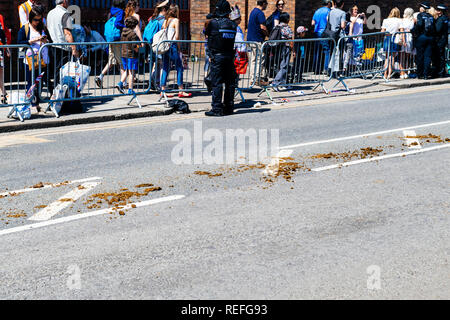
point(433, 12)
point(408, 13)
point(173, 12)
point(395, 13)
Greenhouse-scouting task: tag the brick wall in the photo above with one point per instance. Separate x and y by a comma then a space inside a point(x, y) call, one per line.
point(304, 10)
point(301, 11)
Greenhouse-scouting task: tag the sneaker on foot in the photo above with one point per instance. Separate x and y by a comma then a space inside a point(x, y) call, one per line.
point(99, 82)
point(119, 87)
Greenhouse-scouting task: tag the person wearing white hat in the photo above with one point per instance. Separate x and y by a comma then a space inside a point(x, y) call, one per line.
point(235, 15)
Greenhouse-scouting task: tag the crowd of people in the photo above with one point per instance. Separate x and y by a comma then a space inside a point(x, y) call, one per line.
point(424, 40)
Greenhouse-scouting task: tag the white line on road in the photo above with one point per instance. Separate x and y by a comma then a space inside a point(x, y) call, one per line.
point(364, 135)
point(413, 143)
point(50, 186)
point(395, 155)
point(87, 215)
point(63, 202)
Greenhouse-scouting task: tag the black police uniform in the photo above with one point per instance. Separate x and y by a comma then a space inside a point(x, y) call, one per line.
point(221, 34)
point(441, 43)
point(426, 31)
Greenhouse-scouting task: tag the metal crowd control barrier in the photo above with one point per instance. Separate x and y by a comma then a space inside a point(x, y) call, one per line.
point(448, 55)
point(404, 57)
point(294, 62)
point(96, 70)
point(191, 60)
point(15, 77)
point(361, 56)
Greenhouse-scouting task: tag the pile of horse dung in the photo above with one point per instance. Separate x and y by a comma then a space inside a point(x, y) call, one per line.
point(118, 200)
point(429, 137)
point(361, 154)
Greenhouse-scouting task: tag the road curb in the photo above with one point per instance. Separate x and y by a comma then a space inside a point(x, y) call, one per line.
point(60, 122)
point(423, 83)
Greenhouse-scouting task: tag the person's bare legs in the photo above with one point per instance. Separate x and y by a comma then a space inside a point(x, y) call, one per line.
point(2, 82)
point(130, 80)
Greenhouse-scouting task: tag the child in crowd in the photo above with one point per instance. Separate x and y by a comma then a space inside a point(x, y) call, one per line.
point(117, 11)
point(129, 52)
point(285, 53)
point(299, 61)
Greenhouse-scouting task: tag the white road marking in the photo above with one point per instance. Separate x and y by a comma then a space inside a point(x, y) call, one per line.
point(364, 135)
point(87, 215)
point(274, 165)
point(12, 140)
point(60, 204)
point(395, 155)
point(413, 143)
point(49, 186)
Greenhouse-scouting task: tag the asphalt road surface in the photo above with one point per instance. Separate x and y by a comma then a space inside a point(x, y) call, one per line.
point(358, 206)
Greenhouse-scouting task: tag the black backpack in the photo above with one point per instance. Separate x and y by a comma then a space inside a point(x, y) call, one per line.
point(275, 34)
point(270, 23)
point(328, 33)
point(179, 106)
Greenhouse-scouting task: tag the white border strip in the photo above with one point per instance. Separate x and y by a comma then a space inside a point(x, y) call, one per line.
point(54, 185)
point(87, 215)
point(364, 135)
point(395, 155)
point(55, 207)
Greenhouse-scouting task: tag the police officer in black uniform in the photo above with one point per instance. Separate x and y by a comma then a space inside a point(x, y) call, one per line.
point(441, 42)
point(425, 31)
point(221, 32)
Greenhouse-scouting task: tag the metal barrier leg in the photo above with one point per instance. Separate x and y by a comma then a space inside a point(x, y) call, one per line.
point(13, 109)
point(340, 80)
point(165, 98)
point(134, 97)
point(239, 92)
point(51, 107)
point(266, 90)
point(321, 84)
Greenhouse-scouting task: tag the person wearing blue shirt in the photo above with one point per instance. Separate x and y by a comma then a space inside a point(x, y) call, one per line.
point(257, 32)
point(279, 6)
point(319, 22)
point(115, 51)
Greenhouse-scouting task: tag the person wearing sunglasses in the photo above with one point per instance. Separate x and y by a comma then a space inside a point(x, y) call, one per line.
point(279, 8)
point(35, 35)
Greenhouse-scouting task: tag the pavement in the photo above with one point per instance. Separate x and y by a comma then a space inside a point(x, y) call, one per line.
point(359, 211)
point(117, 108)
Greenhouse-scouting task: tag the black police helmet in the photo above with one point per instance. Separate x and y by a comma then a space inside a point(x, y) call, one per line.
point(223, 8)
point(441, 7)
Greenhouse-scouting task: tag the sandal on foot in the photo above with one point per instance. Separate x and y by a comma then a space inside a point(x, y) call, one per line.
point(184, 95)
